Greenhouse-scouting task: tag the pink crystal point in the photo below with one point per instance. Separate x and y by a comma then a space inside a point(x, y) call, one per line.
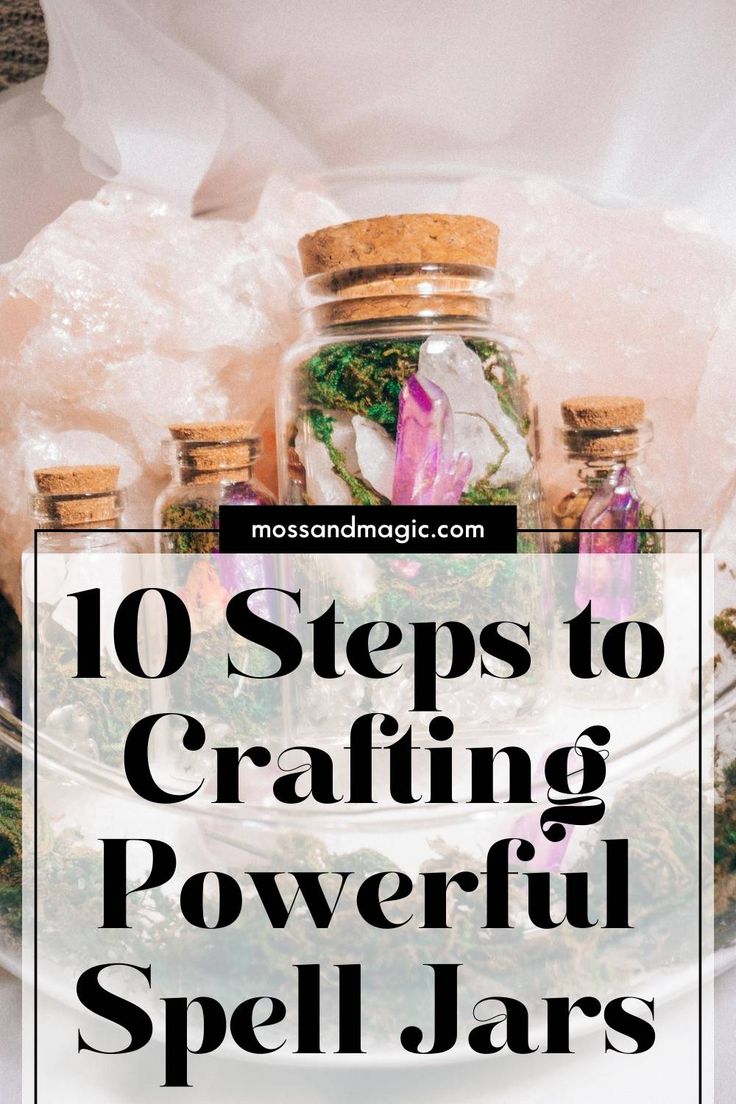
point(549, 854)
point(426, 471)
point(608, 581)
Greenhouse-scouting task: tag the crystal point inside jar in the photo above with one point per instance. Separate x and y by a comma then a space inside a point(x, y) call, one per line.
point(365, 324)
point(604, 439)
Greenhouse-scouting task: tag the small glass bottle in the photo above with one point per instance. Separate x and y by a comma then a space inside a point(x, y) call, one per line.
point(78, 511)
point(610, 511)
point(211, 466)
point(605, 438)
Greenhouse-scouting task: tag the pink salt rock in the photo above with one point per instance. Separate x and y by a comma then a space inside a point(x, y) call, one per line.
point(634, 301)
point(126, 314)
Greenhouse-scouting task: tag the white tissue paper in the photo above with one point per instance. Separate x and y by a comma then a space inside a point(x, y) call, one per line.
point(200, 103)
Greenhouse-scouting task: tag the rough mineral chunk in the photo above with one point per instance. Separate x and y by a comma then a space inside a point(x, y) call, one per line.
point(376, 454)
point(482, 429)
point(125, 315)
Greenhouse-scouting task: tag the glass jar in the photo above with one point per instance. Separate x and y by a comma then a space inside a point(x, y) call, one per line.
point(609, 511)
point(399, 389)
point(604, 439)
point(77, 509)
point(211, 465)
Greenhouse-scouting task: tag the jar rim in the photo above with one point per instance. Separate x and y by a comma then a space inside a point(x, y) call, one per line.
point(399, 292)
point(210, 461)
point(607, 443)
point(191, 448)
point(63, 508)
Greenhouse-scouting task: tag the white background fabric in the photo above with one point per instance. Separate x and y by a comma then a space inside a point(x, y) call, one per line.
point(619, 97)
point(200, 102)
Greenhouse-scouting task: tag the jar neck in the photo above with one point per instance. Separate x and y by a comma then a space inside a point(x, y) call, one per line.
point(208, 463)
point(593, 474)
point(188, 477)
point(600, 454)
point(81, 540)
point(411, 297)
point(80, 512)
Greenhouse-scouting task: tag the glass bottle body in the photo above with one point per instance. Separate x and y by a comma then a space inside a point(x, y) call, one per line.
point(612, 492)
point(201, 482)
point(80, 721)
point(365, 333)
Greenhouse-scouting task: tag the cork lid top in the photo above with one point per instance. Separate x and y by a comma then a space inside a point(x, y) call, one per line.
point(602, 412)
point(77, 479)
point(211, 432)
point(400, 239)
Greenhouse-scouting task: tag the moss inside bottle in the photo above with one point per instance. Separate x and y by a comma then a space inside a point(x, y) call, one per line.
point(400, 390)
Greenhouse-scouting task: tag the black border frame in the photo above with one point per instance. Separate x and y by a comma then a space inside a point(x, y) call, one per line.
point(665, 530)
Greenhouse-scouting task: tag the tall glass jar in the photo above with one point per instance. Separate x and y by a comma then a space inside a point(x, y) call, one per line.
point(211, 465)
point(399, 389)
point(609, 503)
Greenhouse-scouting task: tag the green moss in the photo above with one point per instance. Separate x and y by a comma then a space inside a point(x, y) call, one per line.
point(11, 834)
point(649, 542)
point(11, 849)
point(725, 625)
point(193, 515)
point(366, 378)
point(482, 493)
point(362, 377)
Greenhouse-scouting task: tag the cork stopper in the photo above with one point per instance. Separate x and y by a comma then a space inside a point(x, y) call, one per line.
point(211, 431)
point(79, 479)
point(593, 412)
point(400, 239)
point(206, 452)
point(77, 496)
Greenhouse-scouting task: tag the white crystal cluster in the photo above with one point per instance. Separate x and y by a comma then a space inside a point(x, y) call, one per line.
point(124, 315)
point(481, 429)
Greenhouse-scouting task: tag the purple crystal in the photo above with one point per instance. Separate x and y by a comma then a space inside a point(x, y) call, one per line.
point(427, 472)
point(549, 854)
point(248, 571)
point(246, 494)
point(608, 581)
